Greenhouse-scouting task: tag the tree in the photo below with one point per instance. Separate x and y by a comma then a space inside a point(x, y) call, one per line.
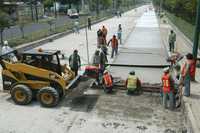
point(106, 3)
point(4, 23)
point(48, 3)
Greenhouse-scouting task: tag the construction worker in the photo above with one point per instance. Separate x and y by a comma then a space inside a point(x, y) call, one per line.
point(107, 82)
point(76, 26)
point(105, 32)
point(75, 62)
point(99, 38)
point(114, 45)
point(168, 89)
point(89, 24)
point(6, 49)
point(96, 61)
point(119, 33)
point(186, 73)
point(172, 40)
point(96, 58)
point(133, 83)
point(103, 57)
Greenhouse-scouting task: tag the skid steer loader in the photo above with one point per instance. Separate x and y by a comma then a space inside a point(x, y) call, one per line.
point(35, 74)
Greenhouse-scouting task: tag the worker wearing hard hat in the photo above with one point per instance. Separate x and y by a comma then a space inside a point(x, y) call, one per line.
point(133, 83)
point(107, 82)
point(168, 89)
point(6, 48)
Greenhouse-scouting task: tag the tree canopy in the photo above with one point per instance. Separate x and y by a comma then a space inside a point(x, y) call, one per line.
point(182, 8)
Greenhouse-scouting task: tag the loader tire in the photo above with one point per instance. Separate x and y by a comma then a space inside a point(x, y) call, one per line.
point(21, 94)
point(48, 97)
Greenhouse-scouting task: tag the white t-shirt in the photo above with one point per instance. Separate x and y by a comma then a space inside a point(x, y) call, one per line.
point(6, 49)
point(11, 56)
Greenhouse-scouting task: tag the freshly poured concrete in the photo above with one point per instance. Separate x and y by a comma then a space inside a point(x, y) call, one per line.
point(144, 45)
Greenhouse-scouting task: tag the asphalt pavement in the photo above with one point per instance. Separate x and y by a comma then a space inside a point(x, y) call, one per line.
point(14, 31)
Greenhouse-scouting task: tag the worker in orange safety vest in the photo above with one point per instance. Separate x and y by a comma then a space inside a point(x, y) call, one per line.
point(187, 71)
point(114, 45)
point(104, 33)
point(107, 82)
point(168, 89)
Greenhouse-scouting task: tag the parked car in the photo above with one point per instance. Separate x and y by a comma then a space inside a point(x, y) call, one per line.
point(72, 13)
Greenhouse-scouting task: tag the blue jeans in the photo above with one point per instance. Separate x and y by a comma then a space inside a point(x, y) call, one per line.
point(114, 51)
point(187, 87)
point(171, 98)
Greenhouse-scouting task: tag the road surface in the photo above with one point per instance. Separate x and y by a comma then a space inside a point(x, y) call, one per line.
point(95, 111)
point(144, 45)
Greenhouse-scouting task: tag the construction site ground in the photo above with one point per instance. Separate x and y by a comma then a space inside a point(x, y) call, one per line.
point(96, 111)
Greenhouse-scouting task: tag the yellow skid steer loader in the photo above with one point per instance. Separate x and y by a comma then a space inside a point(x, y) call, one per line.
point(35, 73)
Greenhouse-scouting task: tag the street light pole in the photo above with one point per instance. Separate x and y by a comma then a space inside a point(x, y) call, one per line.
point(197, 31)
point(86, 38)
point(55, 9)
point(196, 34)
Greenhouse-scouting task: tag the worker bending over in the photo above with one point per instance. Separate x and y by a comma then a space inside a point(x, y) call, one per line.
point(133, 83)
point(107, 82)
point(168, 89)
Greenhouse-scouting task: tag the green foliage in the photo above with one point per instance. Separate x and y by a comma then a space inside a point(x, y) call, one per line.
point(48, 3)
point(106, 3)
point(4, 23)
point(186, 9)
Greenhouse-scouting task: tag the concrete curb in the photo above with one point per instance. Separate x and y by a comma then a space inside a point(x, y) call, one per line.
point(191, 118)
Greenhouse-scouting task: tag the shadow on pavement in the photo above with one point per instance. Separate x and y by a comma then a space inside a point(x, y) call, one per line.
point(84, 103)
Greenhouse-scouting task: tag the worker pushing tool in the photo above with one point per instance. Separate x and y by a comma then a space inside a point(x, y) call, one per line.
point(168, 89)
point(107, 82)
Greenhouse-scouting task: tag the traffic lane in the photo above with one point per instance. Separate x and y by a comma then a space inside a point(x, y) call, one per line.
point(14, 31)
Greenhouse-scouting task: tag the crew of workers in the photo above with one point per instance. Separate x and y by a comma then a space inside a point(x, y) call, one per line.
point(184, 74)
point(114, 41)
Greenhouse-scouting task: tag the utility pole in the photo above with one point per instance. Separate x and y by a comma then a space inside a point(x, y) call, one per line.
point(160, 8)
point(55, 12)
point(36, 10)
point(86, 39)
point(197, 31)
point(196, 34)
point(31, 4)
point(97, 7)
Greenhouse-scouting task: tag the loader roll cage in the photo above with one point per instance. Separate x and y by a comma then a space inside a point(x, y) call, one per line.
point(47, 59)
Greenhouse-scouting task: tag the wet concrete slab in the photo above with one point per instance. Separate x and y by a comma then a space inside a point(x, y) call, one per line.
point(151, 75)
point(144, 45)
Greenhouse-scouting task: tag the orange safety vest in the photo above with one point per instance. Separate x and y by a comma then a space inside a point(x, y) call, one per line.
point(107, 80)
point(192, 68)
point(114, 43)
point(166, 83)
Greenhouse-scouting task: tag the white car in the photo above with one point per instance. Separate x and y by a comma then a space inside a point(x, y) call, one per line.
point(72, 13)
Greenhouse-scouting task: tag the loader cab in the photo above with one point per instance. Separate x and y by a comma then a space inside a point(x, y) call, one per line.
point(45, 59)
